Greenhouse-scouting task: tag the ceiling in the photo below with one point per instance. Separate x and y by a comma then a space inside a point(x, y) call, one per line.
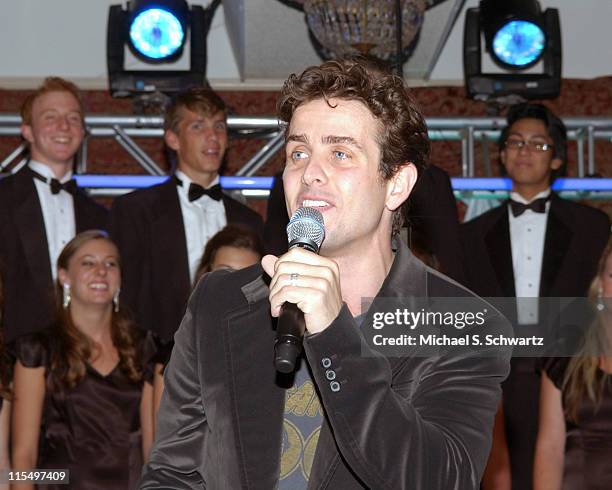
point(271, 40)
point(256, 44)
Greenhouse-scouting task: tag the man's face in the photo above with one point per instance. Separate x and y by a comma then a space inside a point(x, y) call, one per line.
point(56, 130)
point(200, 142)
point(527, 166)
point(332, 164)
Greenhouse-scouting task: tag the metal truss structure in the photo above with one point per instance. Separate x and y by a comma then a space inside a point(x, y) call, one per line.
point(469, 130)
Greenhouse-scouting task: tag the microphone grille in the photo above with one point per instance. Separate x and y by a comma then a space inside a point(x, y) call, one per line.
point(306, 223)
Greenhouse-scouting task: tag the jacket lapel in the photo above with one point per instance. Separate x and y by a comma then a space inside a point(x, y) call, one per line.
point(170, 249)
point(31, 229)
point(326, 459)
point(83, 220)
point(232, 212)
point(499, 248)
point(80, 216)
point(556, 244)
point(258, 400)
point(407, 278)
point(263, 407)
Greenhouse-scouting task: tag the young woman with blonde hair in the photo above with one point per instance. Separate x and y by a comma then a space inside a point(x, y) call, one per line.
point(80, 400)
point(574, 445)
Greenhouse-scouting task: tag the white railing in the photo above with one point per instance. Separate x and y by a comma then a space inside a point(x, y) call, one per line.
point(586, 131)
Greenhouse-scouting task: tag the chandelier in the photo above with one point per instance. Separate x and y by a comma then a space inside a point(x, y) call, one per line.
point(345, 27)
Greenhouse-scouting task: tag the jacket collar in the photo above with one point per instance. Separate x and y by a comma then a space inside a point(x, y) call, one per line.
point(248, 334)
point(557, 240)
point(395, 285)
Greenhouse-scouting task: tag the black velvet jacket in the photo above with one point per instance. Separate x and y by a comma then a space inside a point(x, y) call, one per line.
point(394, 423)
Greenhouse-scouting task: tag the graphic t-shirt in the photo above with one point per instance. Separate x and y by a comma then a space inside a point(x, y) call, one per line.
point(301, 428)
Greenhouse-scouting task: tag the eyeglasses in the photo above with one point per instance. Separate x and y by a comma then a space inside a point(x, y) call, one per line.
point(513, 144)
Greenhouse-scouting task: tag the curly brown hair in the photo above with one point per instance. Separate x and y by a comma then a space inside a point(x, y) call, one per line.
point(75, 349)
point(402, 136)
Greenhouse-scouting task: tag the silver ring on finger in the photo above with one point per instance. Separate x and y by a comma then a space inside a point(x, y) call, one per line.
point(293, 278)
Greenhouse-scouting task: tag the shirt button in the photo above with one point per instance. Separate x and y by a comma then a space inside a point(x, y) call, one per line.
point(528, 229)
point(326, 362)
point(530, 285)
point(330, 375)
point(528, 258)
point(335, 386)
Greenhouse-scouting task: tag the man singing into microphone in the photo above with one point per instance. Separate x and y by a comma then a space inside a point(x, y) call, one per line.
point(355, 143)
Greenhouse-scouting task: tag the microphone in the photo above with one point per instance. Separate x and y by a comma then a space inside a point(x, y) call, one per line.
point(306, 230)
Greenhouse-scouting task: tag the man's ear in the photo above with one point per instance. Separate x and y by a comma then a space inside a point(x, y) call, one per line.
point(502, 157)
point(26, 132)
point(556, 163)
point(172, 139)
point(401, 185)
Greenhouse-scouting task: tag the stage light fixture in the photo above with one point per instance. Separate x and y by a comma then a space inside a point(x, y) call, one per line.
point(517, 35)
point(157, 32)
point(518, 44)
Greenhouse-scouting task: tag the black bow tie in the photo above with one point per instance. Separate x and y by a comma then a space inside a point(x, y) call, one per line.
point(537, 206)
point(196, 191)
point(69, 186)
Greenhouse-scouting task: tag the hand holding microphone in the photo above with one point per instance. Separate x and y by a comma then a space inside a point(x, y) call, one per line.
point(301, 279)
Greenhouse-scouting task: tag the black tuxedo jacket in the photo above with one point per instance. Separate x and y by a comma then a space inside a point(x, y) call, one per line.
point(574, 239)
point(147, 226)
point(394, 423)
point(431, 207)
point(24, 253)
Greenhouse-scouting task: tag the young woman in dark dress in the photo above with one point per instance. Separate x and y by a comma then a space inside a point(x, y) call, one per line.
point(574, 445)
point(80, 401)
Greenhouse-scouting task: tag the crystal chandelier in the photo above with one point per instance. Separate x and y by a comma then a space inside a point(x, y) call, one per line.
point(344, 27)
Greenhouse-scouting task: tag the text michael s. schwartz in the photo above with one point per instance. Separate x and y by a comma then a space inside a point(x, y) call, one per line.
point(445, 340)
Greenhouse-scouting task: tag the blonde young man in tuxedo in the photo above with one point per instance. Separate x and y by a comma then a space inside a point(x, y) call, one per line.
point(41, 208)
point(161, 231)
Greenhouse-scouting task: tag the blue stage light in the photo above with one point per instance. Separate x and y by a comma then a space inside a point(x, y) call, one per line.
point(157, 33)
point(519, 43)
point(265, 183)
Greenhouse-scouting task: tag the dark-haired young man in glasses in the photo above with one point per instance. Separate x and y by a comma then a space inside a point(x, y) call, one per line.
point(534, 245)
